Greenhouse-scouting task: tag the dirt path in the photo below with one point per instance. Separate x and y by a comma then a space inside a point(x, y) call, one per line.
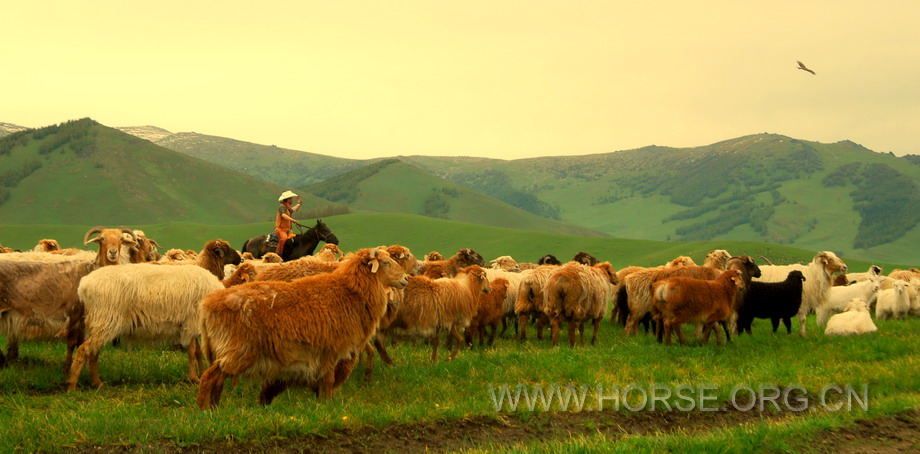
point(472, 432)
point(891, 434)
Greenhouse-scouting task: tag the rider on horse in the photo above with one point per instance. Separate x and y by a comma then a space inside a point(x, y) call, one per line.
point(284, 217)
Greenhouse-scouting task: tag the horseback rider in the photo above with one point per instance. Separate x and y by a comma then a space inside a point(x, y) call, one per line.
point(284, 218)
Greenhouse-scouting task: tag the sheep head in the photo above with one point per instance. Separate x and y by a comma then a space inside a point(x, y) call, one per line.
point(467, 257)
point(476, 278)
point(744, 264)
point(110, 241)
point(609, 272)
point(433, 255)
point(585, 259)
point(387, 270)
point(404, 258)
point(549, 259)
point(832, 264)
point(718, 259)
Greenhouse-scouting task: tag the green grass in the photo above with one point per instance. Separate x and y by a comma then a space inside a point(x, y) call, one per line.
point(145, 399)
point(423, 234)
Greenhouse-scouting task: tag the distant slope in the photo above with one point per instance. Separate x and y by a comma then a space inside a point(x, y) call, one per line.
point(9, 128)
point(289, 168)
point(763, 187)
point(395, 186)
point(81, 172)
point(423, 234)
point(151, 133)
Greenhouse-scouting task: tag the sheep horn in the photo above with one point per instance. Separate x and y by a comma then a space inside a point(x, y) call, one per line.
point(766, 260)
point(91, 231)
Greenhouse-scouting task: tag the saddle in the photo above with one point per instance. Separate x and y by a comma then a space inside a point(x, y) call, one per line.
point(271, 243)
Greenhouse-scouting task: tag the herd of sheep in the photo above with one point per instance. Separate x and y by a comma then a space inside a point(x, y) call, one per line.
point(311, 321)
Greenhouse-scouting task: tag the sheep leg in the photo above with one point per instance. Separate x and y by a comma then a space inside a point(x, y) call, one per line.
point(788, 322)
point(504, 325)
point(2, 359)
point(343, 370)
point(727, 330)
point(382, 350)
point(572, 326)
point(270, 390)
point(434, 346)
point(597, 326)
point(542, 321)
point(553, 331)
point(12, 349)
point(581, 333)
point(492, 334)
point(368, 362)
point(522, 322)
point(211, 387)
point(667, 332)
point(193, 352)
point(74, 339)
point(85, 352)
point(680, 334)
point(803, 315)
point(458, 338)
point(775, 322)
point(94, 370)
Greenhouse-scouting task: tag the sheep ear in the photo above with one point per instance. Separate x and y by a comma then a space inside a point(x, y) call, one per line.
point(375, 264)
point(218, 252)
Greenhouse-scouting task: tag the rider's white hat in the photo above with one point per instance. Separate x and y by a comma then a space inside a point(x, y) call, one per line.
point(287, 195)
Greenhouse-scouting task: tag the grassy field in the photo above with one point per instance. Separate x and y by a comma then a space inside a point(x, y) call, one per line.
point(448, 405)
point(423, 234)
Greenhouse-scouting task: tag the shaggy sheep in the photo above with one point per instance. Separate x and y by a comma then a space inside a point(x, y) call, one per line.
point(511, 294)
point(893, 302)
point(215, 254)
point(819, 274)
point(446, 268)
point(506, 263)
point(271, 257)
point(914, 297)
point(680, 261)
point(874, 273)
point(717, 258)
point(174, 256)
point(774, 300)
point(244, 273)
point(38, 291)
point(247, 256)
point(490, 310)
point(686, 300)
point(310, 330)
point(529, 303)
point(638, 292)
point(431, 306)
point(854, 320)
point(433, 256)
point(905, 275)
point(141, 300)
point(839, 297)
point(6, 250)
point(146, 249)
point(576, 293)
point(47, 245)
point(329, 253)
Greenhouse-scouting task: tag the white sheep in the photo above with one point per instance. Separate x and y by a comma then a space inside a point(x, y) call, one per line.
point(854, 320)
point(839, 298)
point(893, 302)
point(819, 276)
point(506, 263)
point(914, 297)
point(141, 300)
point(874, 273)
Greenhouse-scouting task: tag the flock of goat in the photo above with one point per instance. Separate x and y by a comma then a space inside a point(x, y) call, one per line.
point(310, 321)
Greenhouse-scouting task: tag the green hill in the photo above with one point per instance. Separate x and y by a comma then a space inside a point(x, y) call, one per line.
point(395, 186)
point(81, 172)
point(423, 234)
point(764, 187)
point(289, 168)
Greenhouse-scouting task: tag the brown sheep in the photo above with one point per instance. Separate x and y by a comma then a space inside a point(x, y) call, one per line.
point(576, 293)
point(110, 243)
point(639, 289)
point(529, 304)
point(430, 306)
point(686, 300)
point(216, 254)
point(246, 272)
point(490, 312)
point(145, 250)
point(6, 250)
point(446, 268)
point(247, 256)
point(433, 256)
point(680, 261)
point(295, 269)
point(329, 253)
point(904, 275)
point(717, 259)
point(310, 330)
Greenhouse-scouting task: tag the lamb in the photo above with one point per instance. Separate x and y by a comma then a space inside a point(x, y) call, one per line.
point(446, 268)
point(576, 293)
point(774, 300)
point(819, 274)
point(47, 245)
point(310, 330)
point(38, 291)
point(529, 303)
point(893, 302)
point(839, 297)
point(854, 320)
point(686, 300)
point(490, 310)
point(505, 263)
point(430, 306)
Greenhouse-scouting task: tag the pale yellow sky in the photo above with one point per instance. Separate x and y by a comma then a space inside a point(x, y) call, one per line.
point(488, 78)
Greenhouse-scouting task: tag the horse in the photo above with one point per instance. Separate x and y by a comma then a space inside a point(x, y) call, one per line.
point(304, 243)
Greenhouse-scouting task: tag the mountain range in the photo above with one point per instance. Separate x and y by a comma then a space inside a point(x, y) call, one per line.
point(761, 187)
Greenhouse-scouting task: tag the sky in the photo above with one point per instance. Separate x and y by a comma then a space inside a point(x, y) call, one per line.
point(497, 78)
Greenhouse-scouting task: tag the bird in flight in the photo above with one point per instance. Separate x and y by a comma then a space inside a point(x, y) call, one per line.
point(804, 68)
